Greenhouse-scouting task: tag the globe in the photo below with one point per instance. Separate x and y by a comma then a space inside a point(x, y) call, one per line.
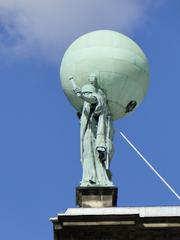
point(120, 66)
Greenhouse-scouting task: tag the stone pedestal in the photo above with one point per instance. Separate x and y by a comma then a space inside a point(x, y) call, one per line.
point(96, 197)
point(143, 223)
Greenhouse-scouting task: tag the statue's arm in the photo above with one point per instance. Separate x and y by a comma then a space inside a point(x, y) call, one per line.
point(75, 88)
point(88, 97)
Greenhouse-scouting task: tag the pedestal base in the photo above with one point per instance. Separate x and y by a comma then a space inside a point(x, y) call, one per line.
point(96, 197)
point(143, 223)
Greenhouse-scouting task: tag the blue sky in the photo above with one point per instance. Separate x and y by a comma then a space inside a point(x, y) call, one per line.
point(39, 131)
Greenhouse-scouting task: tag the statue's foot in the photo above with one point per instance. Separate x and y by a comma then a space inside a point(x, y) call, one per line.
point(92, 182)
point(89, 183)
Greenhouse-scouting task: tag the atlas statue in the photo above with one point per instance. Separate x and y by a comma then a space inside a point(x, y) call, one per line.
point(96, 134)
point(105, 76)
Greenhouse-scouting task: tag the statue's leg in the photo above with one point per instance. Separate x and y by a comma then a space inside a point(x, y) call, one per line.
point(89, 173)
point(101, 172)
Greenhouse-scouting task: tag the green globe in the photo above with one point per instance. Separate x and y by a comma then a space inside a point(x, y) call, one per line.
point(119, 63)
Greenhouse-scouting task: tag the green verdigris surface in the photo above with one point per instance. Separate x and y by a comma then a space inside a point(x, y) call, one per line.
point(120, 65)
point(109, 78)
point(96, 134)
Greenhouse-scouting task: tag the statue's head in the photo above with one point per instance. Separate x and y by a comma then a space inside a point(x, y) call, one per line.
point(92, 79)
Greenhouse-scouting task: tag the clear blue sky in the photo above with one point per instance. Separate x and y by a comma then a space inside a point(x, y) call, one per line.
point(39, 131)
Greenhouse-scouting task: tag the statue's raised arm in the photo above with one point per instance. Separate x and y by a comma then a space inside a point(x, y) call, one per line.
point(85, 93)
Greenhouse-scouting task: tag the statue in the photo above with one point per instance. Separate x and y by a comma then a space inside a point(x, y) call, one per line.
point(110, 75)
point(96, 134)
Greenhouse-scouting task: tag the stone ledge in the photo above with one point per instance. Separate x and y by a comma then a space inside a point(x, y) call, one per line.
point(125, 223)
point(152, 211)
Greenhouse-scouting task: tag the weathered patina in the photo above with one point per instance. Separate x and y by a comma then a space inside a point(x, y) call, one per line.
point(105, 76)
point(96, 134)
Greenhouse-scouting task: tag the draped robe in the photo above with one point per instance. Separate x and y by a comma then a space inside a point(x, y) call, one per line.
point(95, 119)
